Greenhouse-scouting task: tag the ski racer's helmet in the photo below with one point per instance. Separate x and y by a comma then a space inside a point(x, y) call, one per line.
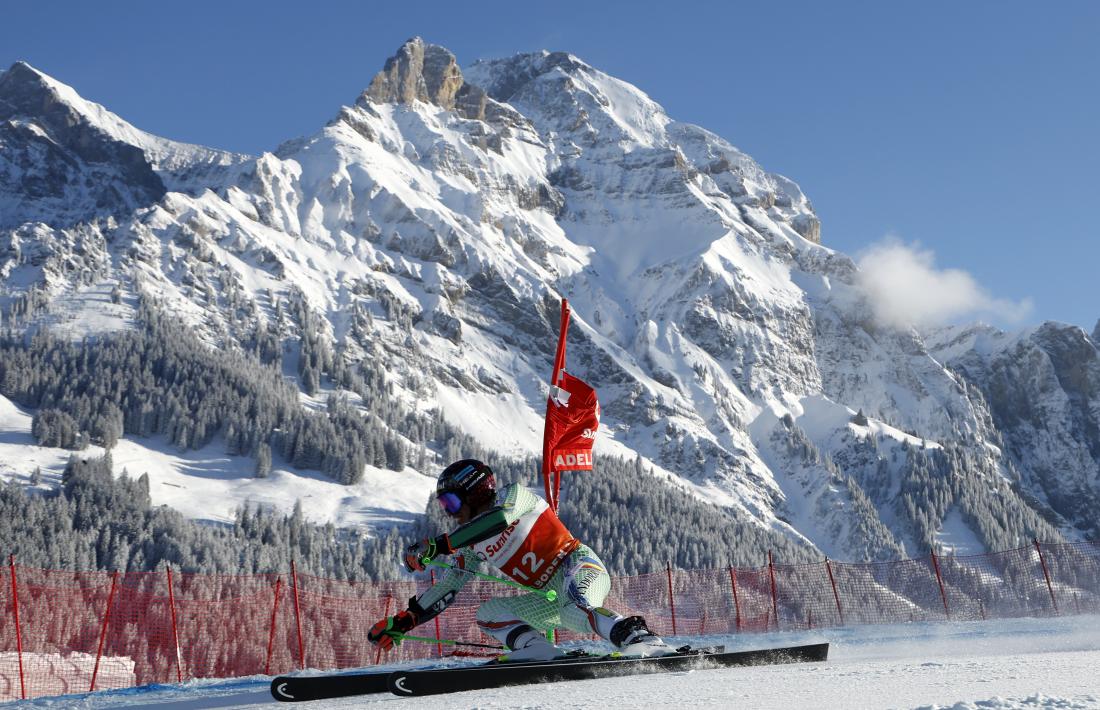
point(466, 481)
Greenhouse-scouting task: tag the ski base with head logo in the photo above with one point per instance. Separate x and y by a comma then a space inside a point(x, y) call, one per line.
point(292, 689)
point(495, 675)
point(431, 681)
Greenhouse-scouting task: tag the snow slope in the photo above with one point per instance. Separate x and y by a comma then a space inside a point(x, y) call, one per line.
point(209, 484)
point(20, 454)
point(1019, 663)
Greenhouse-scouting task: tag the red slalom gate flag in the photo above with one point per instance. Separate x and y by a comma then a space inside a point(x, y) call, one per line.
point(572, 420)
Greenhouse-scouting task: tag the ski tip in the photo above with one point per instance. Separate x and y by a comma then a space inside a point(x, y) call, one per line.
point(281, 691)
point(397, 684)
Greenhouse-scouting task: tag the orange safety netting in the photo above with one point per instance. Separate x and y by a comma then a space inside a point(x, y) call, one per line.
point(68, 632)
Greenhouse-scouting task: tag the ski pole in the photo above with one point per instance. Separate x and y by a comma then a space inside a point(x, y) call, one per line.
point(548, 594)
point(449, 642)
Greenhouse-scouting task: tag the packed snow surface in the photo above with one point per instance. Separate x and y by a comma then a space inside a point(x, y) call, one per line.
point(1019, 663)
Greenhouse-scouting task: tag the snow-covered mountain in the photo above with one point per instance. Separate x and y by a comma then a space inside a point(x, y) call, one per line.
point(64, 160)
point(432, 226)
point(1042, 386)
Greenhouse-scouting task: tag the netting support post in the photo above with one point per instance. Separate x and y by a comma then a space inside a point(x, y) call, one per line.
point(18, 627)
point(438, 646)
point(378, 653)
point(298, 616)
point(1046, 574)
point(736, 600)
point(103, 632)
point(775, 592)
point(271, 632)
point(175, 626)
point(939, 581)
point(836, 595)
point(671, 599)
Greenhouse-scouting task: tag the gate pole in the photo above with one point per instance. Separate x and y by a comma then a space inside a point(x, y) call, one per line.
point(939, 580)
point(1046, 574)
point(103, 633)
point(836, 596)
point(298, 616)
point(18, 628)
point(775, 594)
point(671, 601)
point(175, 627)
point(378, 653)
point(271, 634)
point(439, 646)
point(736, 601)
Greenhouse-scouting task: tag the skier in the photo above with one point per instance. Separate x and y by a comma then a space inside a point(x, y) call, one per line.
point(516, 531)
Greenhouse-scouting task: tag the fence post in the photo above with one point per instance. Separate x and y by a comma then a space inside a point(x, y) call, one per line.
point(1046, 574)
point(18, 627)
point(298, 616)
point(175, 627)
point(378, 653)
point(271, 634)
point(103, 633)
point(836, 596)
point(439, 646)
point(939, 580)
point(736, 601)
point(775, 594)
point(671, 600)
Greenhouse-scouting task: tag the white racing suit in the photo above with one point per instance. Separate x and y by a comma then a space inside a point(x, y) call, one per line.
point(535, 550)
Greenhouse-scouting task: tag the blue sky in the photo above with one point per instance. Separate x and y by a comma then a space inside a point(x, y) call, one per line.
point(963, 133)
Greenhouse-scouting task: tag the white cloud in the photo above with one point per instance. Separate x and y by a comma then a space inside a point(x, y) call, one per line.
point(905, 288)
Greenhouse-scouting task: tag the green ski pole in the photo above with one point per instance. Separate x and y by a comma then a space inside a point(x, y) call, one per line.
point(449, 642)
point(548, 594)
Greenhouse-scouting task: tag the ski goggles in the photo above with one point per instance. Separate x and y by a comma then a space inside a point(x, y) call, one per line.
point(450, 503)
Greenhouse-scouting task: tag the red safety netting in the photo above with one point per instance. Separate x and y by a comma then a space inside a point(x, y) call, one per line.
point(68, 632)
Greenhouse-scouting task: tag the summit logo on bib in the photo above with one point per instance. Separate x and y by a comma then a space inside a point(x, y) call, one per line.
point(497, 546)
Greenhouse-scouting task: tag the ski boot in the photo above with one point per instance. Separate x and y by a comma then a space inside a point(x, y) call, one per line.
point(634, 639)
point(527, 644)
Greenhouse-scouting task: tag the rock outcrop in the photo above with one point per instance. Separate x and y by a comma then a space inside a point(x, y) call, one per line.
point(59, 167)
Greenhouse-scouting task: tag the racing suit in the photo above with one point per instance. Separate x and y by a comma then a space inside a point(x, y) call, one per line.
point(523, 538)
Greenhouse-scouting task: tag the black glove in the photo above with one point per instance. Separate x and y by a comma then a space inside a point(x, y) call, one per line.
point(383, 633)
point(419, 554)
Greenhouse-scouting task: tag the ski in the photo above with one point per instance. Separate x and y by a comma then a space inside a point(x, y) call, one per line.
point(303, 688)
point(494, 675)
point(293, 689)
point(577, 667)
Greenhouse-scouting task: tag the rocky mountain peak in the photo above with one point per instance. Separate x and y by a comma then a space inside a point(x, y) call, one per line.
point(58, 165)
point(25, 91)
point(21, 74)
point(502, 78)
point(425, 72)
point(418, 71)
